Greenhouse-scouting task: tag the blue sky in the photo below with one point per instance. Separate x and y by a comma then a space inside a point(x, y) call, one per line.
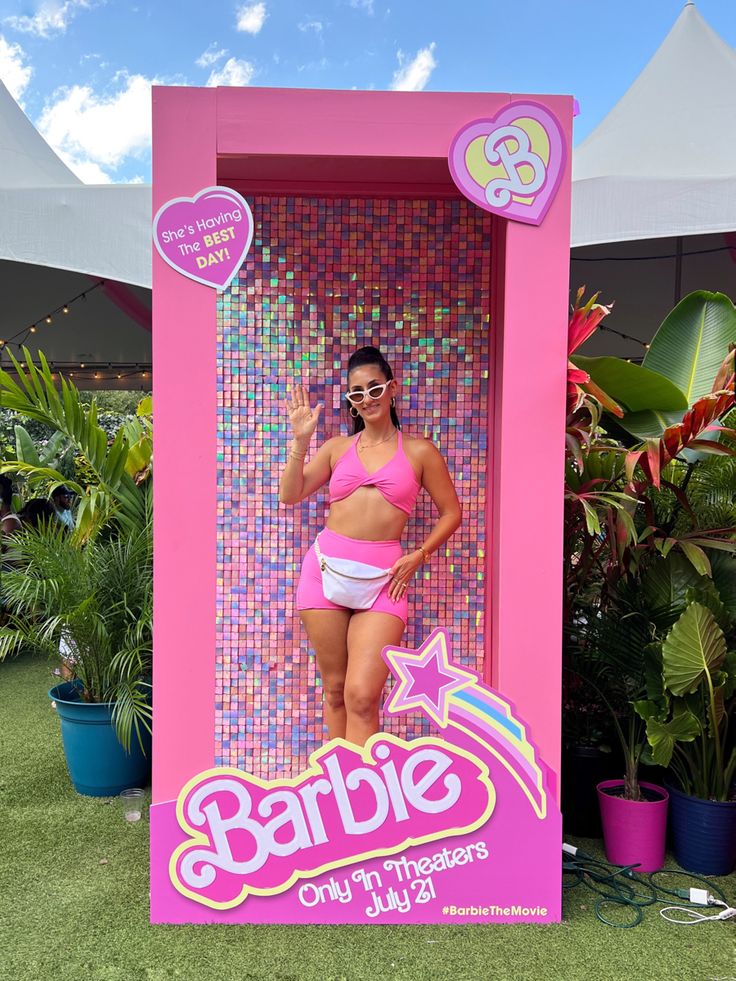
point(82, 69)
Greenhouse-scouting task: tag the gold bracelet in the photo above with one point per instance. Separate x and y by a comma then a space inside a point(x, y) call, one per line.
point(425, 553)
point(295, 456)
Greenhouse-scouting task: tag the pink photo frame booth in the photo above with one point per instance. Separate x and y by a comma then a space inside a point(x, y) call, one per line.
point(353, 144)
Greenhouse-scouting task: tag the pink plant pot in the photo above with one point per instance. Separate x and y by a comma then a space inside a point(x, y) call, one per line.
point(634, 832)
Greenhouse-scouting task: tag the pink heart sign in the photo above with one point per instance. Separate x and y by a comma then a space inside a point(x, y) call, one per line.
point(512, 164)
point(205, 237)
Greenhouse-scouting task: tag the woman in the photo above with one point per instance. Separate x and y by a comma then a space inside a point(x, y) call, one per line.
point(374, 478)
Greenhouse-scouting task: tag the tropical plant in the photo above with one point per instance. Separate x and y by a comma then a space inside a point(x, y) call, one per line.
point(678, 368)
point(118, 472)
point(610, 654)
point(691, 703)
point(633, 501)
point(96, 600)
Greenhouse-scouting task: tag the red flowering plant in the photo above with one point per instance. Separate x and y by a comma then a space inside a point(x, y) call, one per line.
point(644, 444)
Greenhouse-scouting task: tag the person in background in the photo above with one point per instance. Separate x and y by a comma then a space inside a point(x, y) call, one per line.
point(9, 520)
point(36, 511)
point(61, 499)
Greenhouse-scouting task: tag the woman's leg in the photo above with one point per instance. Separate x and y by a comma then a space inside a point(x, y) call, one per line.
point(327, 631)
point(369, 632)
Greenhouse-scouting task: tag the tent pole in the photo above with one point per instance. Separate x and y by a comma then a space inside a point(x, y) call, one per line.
point(678, 270)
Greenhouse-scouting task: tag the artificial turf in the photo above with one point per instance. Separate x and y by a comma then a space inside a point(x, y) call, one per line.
point(74, 901)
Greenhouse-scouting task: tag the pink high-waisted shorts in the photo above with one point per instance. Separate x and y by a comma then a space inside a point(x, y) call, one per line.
point(309, 595)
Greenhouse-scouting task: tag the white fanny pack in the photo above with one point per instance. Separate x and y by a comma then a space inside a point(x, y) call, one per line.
point(348, 583)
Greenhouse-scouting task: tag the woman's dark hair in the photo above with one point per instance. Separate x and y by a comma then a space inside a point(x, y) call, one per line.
point(6, 490)
point(358, 359)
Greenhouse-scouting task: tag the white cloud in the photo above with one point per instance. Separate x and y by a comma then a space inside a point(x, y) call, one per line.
point(93, 133)
point(312, 25)
point(235, 71)
point(366, 5)
point(251, 17)
point(51, 18)
point(412, 76)
point(211, 56)
point(14, 71)
point(86, 170)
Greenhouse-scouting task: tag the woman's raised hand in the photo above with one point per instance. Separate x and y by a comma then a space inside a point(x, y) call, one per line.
point(302, 416)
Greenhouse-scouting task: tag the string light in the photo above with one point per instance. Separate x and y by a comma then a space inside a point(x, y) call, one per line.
point(647, 258)
point(109, 371)
point(626, 337)
point(106, 372)
point(48, 317)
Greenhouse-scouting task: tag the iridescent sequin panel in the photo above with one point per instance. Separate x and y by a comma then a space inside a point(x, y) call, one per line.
point(324, 277)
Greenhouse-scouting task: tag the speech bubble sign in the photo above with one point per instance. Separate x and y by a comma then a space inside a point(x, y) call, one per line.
point(511, 164)
point(206, 237)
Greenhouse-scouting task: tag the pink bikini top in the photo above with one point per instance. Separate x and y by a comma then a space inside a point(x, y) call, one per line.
point(396, 479)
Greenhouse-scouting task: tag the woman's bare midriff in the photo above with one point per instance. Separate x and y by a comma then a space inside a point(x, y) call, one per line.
point(367, 515)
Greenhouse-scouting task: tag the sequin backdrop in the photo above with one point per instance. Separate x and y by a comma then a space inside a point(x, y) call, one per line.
point(323, 277)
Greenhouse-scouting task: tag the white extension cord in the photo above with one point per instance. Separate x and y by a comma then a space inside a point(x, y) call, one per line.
point(688, 916)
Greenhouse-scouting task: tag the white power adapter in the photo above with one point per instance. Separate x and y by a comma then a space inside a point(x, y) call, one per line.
point(700, 896)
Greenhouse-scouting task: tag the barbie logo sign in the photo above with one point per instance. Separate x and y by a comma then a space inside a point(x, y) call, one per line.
point(252, 836)
point(511, 164)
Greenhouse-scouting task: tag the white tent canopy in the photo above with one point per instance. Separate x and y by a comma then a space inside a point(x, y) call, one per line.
point(663, 161)
point(654, 188)
point(58, 238)
point(50, 218)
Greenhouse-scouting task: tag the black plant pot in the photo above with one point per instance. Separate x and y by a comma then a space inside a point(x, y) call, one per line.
point(583, 768)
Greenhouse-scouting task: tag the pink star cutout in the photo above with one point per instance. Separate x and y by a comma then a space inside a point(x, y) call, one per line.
point(425, 678)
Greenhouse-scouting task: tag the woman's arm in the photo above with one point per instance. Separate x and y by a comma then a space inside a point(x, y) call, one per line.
point(437, 481)
point(299, 480)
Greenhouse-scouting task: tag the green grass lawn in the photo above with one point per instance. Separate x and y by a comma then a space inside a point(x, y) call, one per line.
point(74, 901)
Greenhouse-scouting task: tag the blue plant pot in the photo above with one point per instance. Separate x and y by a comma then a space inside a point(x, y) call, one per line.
point(98, 765)
point(703, 833)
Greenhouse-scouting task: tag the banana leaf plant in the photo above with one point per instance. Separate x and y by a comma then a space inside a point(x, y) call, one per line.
point(688, 432)
point(610, 517)
point(121, 469)
point(677, 370)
